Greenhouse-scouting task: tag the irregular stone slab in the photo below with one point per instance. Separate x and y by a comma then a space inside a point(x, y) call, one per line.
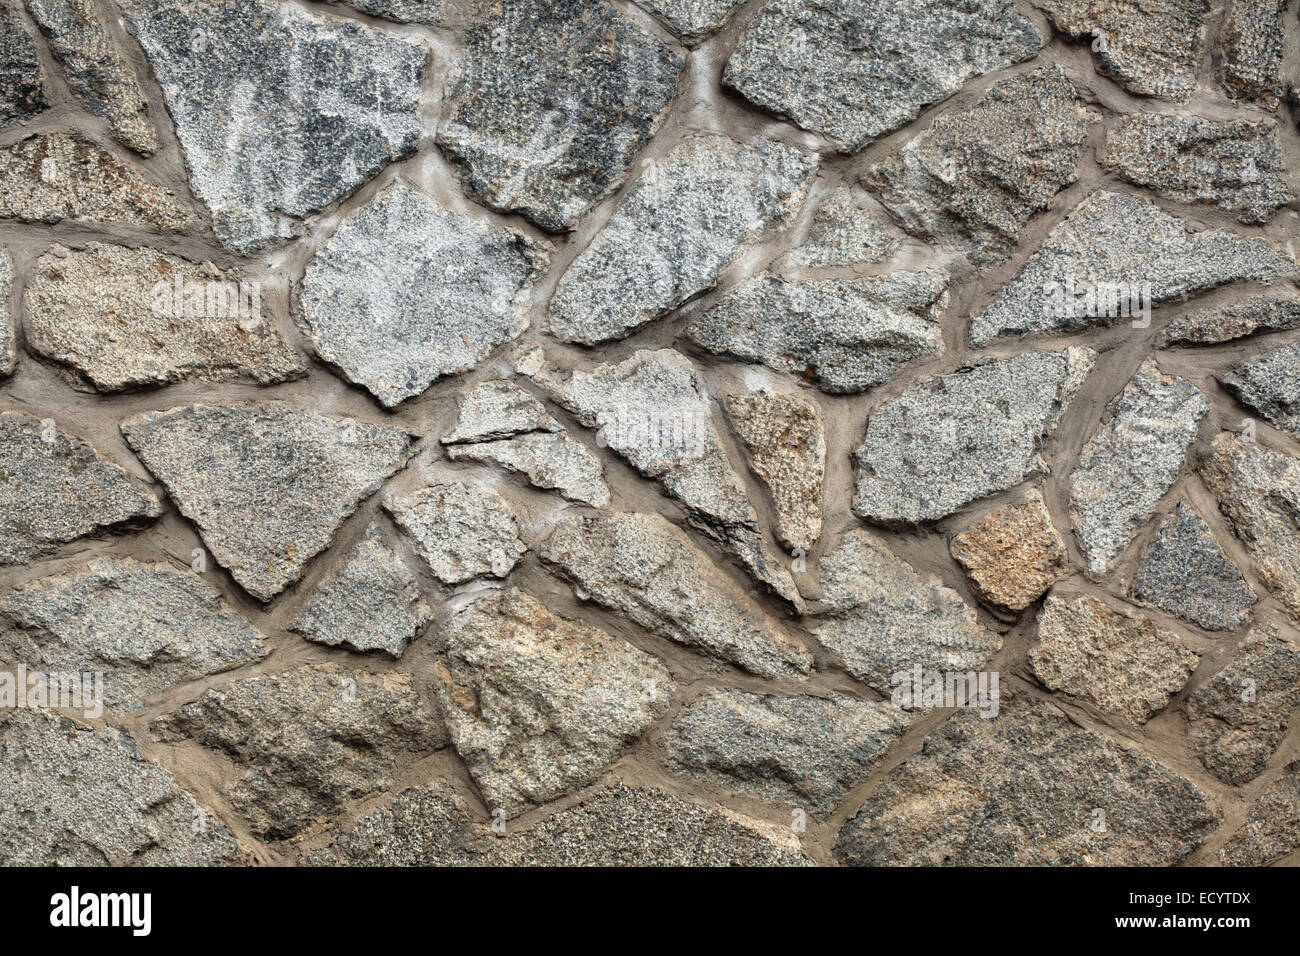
point(643, 263)
point(844, 233)
point(692, 20)
point(53, 177)
point(80, 797)
point(883, 618)
point(1131, 461)
point(1184, 572)
point(1240, 716)
point(280, 112)
point(648, 570)
point(806, 751)
point(266, 484)
point(1260, 313)
point(371, 602)
point(1250, 51)
point(975, 177)
point(785, 439)
point(539, 706)
point(499, 410)
point(461, 532)
point(430, 12)
point(1234, 165)
point(1013, 555)
point(8, 327)
point(852, 70)
point(1273, 828)
point(843, 335)
point(953, 439)
point(553, 102)
point(1270, 384)
point(131, 318)
point(407, 291)
point(22, 81)
point(145, 627)
point(55, 488)
point(307, 741)
point(96, 70)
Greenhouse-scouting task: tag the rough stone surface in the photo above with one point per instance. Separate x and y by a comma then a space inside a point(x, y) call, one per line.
point(1260, 313)
point(844, 233)
point(1270, 384)
point(1273, 828)
point(463, 532)
point(499, 409)
point(1013, 555)
point(429, 12)
point(692, 20)
point(952, 439)
point(266, 484)
point(1250, 51)
point(22, 81)
point(8, 327)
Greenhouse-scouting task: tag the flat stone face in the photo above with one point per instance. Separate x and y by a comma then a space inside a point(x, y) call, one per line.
point(1260, 313)
point(1024, 789)
point(647, 569)
point(883, 618)
point(802, 751)
point(131, 318)
point(692, 20)
point(462, 532)
point(852, 70)
point(1250, 51)
point(975, 177)
point(371, 602)
point(844, 233)
point(1240, 716)
point(686, 218)
point(1234, 165)
point(22, 81)
point(1273, 828)
point(499, 410)
point(952, 439)
point(280, 112)
point(1133, 459)
point(8, 327)
point(1270, 384)
point(407, 291)
point(843, 335)
point(55, 488)
point(430, 12)
point(266, 484)
point(308, 740)
point(1013, 555)
point(553, 102)
point(145, 627)
point(539, 706)
point(81, 797)
point(1113, 241)
point(1184, 572)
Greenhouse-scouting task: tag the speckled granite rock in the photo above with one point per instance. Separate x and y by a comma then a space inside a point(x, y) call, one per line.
point(22, 81)
point(8, 327)
point(430, 12)
point(844, 233)
point(463, 532)
point(1260, 313)
point(1270, 384)
point(1250, 51)
point(1013, 555)
point(499, 409)
point(692, 20)
point(1273, 828)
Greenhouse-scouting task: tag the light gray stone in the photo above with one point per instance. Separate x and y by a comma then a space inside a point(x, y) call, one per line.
point(844, 233)
point(22, 81)
point(463, 532)
point(1250, 51)
point(1013, 555)
point(432, 13)
point(8, 327)
point(1272, 830)
point(499, 409)
point(692, 20)
point(1270, 384)
point(1260, 313)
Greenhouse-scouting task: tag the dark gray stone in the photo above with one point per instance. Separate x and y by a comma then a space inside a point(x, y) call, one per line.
point(1272, 830)
point(1260, 313)
point(423, 826)
point(1251, 50)
point(692, 20)
point(22, 81)
point(1270, 384)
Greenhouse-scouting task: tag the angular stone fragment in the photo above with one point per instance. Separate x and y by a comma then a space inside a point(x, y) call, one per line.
point(539, 706)
point(883, 618)
point(1270, 384)
point(1260, 313)
point(462, 532)
point(429, 12)
point(806, 751)
point(1131, 461)
point(1273, 828)
point(952, 439)
point(96, 69)
point(1114, 242)
point(843, 335)
point(844, 233)
point(407, 291)
point(1013, 555)
point(1250, 51)
point(1235, 165)
point(1024, 789)
point(369, 603)
point(553, 102)
point(80, 797)
point(692, 20)
point(499, 410)
point(130, 318)
point(8, 327)
point(1184, 572)
point(1240, 716)
point(975, 177)
point(308, 740)
point(266, 484)
point(280, 112)
point(647, 569)
point(684, 220)
point(55, 488)
point(22, 81)
point(852, 70)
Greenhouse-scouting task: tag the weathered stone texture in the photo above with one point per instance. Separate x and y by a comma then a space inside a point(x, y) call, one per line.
point(22, 81)
point(692, 20)
point(8, 327)
point(1260, 313)
point(1273, 828)
point(1013, 555)
point(844, 233)
point(1251, 49)
point(1270, 384)
point(462, 531)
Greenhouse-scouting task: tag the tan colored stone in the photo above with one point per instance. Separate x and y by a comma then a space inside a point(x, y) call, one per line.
point(1014, 555)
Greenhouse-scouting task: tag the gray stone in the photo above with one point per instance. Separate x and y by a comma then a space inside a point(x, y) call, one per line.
point(539, 706)
point(267, 484)
point(1272, 830)
point(8, 327)
point(976, 177)
point(22, 81)
point(843, 335)
point(499, 409)
point(1270, 384)
point(131, 318)
point(1131, 461)
point(1260, 313)
point(648, 570)
point(429, 12)
point(55, 488)
point(844, 233)
point(407, 291)
point(1025, 789)
point(686, 218)
point(462, 532)
point(883, 618)
point(1250, 51)
point(952, 439)
point(692, 20)
point(1013, 555)
point(552, 104)
point(371, 602)
point(852, 70)
point(279, 111)
point(1116, 241)
point(804, 750)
